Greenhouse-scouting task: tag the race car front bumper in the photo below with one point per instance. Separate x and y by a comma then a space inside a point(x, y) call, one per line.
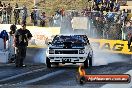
point(66, 58)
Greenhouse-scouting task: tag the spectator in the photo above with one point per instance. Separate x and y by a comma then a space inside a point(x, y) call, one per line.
point(57, 19)
point(12, 49)
point(129, 27)
point(43, 19)
point(96, 7)
point(9, 13)
point(124, 32)
point(62, 12)
point(111, 4)
point(117, 7)
point(36, 12)
point(24, 14)
point(51, 21)
point(34, 18)
point(123, 17)
point(129, 34)
point(107, 8)
point(16, 14)
point(4, 14)
point(103, 7)
point(1, 9)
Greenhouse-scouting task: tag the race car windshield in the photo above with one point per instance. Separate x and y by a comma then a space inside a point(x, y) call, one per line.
point(74, 39)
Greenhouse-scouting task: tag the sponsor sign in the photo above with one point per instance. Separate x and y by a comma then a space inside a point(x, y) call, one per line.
point(114, 46)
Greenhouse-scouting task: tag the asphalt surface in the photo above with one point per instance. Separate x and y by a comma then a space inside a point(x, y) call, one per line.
point(37, 75)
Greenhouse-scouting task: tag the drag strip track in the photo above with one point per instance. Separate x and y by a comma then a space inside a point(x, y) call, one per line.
point(65, 76)
point(7, 71)
point(24, 79)
point(68, 77)
point(37, 75)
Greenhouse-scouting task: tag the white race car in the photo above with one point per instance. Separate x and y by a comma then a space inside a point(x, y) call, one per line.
point(69, 49)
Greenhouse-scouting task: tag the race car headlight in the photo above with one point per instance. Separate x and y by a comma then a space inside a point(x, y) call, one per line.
point(51, 51)
point(81, 51)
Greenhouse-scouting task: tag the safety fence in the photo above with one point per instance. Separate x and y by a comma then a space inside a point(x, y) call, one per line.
point(105, 25)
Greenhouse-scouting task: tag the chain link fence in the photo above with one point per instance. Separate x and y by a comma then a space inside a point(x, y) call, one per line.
point(106, 25)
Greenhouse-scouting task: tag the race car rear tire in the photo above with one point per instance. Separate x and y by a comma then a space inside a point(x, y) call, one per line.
point(86, 63)
point(90, 62)
point(48, 63)
point(90, 58)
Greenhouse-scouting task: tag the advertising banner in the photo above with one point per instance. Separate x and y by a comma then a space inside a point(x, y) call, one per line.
point(114, 46)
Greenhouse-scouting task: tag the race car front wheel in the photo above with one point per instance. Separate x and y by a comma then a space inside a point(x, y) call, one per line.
point(48, 63)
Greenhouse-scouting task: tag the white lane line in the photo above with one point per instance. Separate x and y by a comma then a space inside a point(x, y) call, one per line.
point(12, 77)
point(42, 77)
point(129, 85)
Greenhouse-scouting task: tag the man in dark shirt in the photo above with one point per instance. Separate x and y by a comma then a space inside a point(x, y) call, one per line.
point(21, 38)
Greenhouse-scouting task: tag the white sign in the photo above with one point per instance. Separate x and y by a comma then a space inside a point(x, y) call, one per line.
point(79, 23)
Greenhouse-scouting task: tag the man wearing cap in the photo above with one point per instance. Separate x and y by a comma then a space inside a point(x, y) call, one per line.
point(16, 14)
point(21, 38)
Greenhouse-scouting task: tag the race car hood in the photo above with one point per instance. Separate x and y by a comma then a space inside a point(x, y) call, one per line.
point(66, 45)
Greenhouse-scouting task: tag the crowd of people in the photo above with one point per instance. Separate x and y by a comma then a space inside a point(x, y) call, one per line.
point(107, 17)
point(20, 14)
point(106, 5)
